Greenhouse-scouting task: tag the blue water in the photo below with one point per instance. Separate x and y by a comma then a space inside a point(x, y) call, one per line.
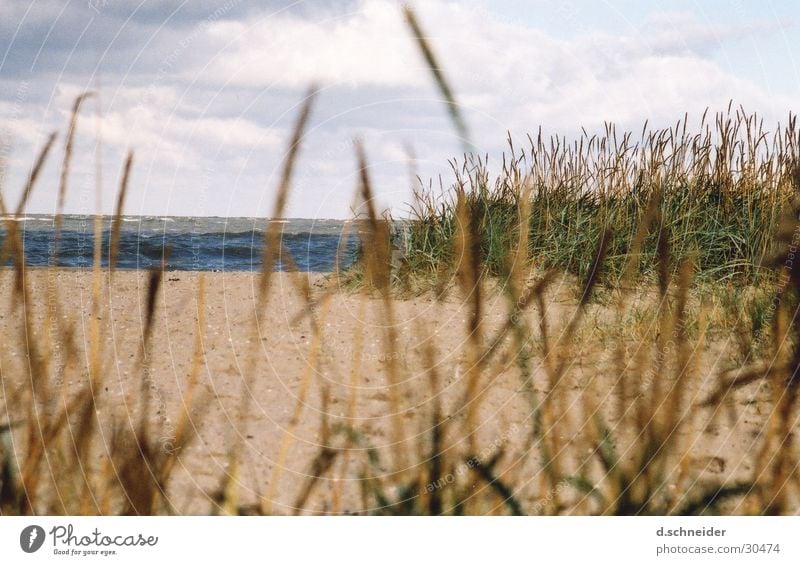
point(190, 244)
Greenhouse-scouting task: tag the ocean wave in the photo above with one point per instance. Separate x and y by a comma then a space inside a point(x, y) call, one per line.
point(197, 251)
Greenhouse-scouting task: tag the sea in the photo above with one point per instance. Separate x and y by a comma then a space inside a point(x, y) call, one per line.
point(188, 243)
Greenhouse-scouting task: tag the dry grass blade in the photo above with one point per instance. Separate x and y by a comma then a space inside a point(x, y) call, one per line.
point(534, 291)
point(378, 269)
point(116, 228)
point(154, 280)
point(354, 384)
point(34, 174)
point(65, 165)
point(438, 431)
point(325, 458)
point(273, 230)
point(273, 251)
point(741, 378)
point(485, 471)
point(312, 368)
point(596, 267)
point(12, 243)
point(468, 273)
point(182, 433)
point(438, 75)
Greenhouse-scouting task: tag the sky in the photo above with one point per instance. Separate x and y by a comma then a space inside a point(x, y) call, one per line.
point(205, 92)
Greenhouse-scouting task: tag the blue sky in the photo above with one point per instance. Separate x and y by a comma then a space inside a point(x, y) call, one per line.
point(770, 58)
point(205, 91)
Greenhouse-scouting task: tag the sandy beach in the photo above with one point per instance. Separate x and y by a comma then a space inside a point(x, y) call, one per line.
point(279, 357)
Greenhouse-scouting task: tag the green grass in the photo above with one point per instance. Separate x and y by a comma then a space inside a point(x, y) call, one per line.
point(717, 197)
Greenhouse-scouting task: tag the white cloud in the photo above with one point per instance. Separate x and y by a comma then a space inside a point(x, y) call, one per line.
point(518, 75)
point(366, 47)
point(680, 33)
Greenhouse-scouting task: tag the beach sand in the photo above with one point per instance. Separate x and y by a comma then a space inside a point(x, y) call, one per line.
point(275, 359)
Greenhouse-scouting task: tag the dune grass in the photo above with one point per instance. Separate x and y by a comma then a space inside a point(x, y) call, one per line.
point(718, 192)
